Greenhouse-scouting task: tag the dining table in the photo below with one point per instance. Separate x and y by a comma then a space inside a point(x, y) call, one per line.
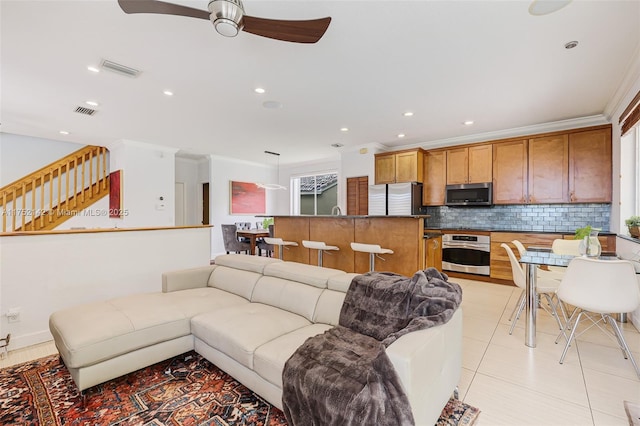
point(531, 260)
point(252, 235)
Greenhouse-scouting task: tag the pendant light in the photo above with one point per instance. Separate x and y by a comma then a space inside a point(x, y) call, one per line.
point(273, 186)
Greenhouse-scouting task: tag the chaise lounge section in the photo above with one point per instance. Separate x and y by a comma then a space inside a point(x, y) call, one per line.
point(247, 315)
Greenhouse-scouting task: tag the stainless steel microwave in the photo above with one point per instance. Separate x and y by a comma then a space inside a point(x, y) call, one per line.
point(469, 194)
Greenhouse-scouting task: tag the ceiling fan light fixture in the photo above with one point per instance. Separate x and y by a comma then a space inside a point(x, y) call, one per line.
point(226, 16)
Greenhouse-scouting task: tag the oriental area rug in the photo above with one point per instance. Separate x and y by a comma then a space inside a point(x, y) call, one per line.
point(186, 390)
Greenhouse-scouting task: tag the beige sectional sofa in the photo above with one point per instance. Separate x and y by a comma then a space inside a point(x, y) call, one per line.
point(247, 315)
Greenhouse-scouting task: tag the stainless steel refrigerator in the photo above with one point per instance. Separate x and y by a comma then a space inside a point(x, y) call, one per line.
point(395, 199)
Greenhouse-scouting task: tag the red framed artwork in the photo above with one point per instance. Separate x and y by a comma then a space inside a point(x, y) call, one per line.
point(115, 194)
point(246, 198)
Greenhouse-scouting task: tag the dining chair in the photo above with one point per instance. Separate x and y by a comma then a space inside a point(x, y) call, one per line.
point(551, 274)
point(597, 289)
point(562, 246)
point(544, 287)
point(231, 242)
point(263, 244)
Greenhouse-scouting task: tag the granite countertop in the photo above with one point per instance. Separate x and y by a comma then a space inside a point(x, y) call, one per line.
point(344, 216)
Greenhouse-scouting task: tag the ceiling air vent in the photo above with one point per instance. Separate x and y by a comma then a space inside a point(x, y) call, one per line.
point(85, 111)
point(119, 68)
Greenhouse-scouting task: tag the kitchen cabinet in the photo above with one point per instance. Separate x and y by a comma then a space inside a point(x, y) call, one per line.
point(548, 159)
point(590, 166)
point(471, 164)
point(510, 172)
point(358, 195)
point(435, 173)
point(433, 250)
point(399, 166)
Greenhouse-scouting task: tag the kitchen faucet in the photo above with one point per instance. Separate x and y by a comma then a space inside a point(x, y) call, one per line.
point(335, 211)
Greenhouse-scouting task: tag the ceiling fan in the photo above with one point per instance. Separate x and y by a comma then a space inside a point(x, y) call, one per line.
point(229, 19)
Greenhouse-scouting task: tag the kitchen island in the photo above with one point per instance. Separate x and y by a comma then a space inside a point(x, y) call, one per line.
point(402, 234)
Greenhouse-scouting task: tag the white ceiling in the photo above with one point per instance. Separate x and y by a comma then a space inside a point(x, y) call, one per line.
point(446, 61)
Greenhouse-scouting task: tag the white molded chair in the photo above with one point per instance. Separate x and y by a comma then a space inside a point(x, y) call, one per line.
point(544, 287)
point(550, 274)
point(280, 243)
point(373, 250)
point(321, 246)
point(562, 246)
point(598, 288)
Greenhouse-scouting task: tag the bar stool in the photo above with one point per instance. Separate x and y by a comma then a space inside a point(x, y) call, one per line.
point(373, 250)
point(280, 243)
point(321, 246)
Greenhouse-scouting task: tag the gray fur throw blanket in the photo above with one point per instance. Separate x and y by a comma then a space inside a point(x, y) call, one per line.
point(343, 376)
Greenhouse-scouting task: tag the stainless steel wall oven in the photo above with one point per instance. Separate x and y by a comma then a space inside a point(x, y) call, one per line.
point(466, 253)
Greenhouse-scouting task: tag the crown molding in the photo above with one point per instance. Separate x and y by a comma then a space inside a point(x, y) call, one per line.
point(631, 77)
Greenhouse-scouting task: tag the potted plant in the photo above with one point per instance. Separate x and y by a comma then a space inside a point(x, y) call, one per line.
point(633, 223)
point(590, 244)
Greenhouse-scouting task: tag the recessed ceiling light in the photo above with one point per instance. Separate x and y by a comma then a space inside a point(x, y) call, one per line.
point(344, 129)
point(92, 103)
point(64, 132)
point(168, 92)
point(401, 135)
point(571, 44)
point(259, 90)
point(408, 114)
point(93, 69)
point(545, 7)
point(468, 123)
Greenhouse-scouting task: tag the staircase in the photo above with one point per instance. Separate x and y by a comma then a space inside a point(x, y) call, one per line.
point(48, 197)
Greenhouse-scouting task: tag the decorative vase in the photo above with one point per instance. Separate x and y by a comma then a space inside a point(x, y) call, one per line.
point(634, 231)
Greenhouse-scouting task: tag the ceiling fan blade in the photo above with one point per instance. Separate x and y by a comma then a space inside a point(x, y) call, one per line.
point(295, 31)
point(161, 7)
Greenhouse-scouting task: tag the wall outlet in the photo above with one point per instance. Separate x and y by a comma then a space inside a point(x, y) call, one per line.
point(13, 315)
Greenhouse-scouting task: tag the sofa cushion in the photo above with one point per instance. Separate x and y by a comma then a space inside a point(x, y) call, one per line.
point(236, 281)
point(307, 274)
point(291, 296)
point(239, 331)
point(93, 332)
point(244, 262)
point(199, 300)
point(328, 307)
point(269, 359)
point(341, 282)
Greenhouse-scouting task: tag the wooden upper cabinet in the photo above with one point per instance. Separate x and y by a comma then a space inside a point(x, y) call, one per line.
point(480, 163)
point(590, 166)
point(510, 172)
point(548, 169)
point(400, 166)
point(409, 167)
point(385, 168)
point(470, 164)
point(457, 166)
point(435, 174)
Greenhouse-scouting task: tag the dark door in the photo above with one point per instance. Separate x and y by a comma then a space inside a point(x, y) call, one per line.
point(205, 203)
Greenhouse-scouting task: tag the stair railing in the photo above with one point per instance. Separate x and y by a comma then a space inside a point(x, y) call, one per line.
point(41, 195)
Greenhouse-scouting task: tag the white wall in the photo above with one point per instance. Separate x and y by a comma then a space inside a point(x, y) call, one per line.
point(44, 273)
point(21, 155)
point(148, 173)
point(224, 170)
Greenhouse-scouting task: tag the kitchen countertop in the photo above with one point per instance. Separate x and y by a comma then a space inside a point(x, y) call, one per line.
point(461, 230)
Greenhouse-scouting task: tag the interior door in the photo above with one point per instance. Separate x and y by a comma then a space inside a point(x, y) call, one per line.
point(205, 203)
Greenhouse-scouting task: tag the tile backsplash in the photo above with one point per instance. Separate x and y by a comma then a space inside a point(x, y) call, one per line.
point(528, 217)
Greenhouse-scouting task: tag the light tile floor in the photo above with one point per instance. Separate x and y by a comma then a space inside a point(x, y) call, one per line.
point(516, 385)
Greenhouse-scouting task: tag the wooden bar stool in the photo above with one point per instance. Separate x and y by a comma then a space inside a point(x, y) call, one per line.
point(280, 243)
point(321, 246)
point(373, 250)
